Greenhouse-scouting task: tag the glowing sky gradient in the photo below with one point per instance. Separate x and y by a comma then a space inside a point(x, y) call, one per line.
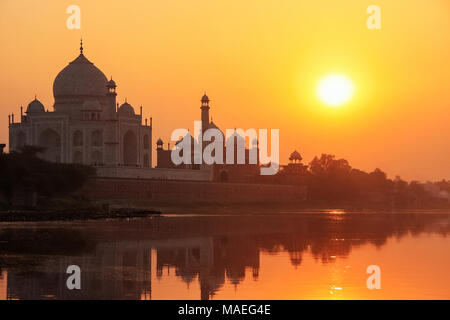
point(260, 62)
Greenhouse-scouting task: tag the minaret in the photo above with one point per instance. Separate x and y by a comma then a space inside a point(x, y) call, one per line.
point(159, 153)
point(205, 112)
point(111, 127)
point(111, 96)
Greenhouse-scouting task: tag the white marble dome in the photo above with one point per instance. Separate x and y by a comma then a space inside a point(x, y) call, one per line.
point(80, 78)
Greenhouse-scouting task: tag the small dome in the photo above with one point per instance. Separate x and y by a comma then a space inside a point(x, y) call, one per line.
point(126, 109)
point(111, 84)
point(91, 105)
point(159, 142)
point(205, 98)
point(295, 156)
point(35, 106)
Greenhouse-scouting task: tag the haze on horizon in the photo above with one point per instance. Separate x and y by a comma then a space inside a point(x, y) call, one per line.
point(259, 62)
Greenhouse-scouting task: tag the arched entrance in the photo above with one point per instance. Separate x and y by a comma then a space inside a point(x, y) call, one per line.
point(146, 142)
point(97, 138)
point(77, 138)
point(50, 140)
point(129, 149)
point(21, 140)
point(146, 161)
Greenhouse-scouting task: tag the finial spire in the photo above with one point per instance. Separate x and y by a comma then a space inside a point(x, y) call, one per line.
point(81, 45)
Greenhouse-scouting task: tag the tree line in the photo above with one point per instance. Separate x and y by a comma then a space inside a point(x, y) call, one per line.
point(330, 179)
point(23, 173)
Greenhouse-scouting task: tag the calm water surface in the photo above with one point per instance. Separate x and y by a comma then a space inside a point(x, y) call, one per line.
point(288, 255)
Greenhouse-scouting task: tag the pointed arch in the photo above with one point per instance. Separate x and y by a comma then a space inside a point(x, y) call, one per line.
point(97, 138)
point(146, 142)
point(130, 148)
point(77, 139)
point(146, 161)
point(21, 139)
point(50, 140)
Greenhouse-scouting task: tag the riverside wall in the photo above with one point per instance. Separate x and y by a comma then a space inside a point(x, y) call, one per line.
point(192, 192)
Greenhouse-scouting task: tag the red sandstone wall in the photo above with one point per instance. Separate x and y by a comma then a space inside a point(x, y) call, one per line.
point(172, 191)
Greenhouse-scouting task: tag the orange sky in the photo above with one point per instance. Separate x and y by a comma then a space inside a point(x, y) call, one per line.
point(259, 62)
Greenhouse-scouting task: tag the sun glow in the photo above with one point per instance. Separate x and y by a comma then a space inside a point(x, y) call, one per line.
point(335, 90)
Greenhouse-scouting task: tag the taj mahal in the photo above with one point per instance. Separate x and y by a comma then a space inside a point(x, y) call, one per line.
point(87, 126)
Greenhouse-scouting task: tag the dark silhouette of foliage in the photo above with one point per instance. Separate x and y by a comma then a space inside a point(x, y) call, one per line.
point(25, 172)
point(331, 179)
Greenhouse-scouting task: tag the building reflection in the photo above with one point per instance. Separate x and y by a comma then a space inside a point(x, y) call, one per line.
point(117, 259)
point(113, 271)
point(3, 284)
point(212, 260)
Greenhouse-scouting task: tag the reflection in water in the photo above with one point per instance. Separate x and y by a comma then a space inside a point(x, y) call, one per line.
point(3, 284)
point(217, 256)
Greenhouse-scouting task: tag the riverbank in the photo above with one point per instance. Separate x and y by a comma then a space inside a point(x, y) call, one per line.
point(73, 214)
point(262, 208)
point(126, 210)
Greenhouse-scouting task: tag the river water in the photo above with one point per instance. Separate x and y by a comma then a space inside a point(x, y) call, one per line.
point(280, 255)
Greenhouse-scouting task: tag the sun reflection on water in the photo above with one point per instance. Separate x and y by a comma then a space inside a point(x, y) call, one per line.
point(336, 211)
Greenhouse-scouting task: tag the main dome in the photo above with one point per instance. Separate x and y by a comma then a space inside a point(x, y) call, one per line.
point(80, 78)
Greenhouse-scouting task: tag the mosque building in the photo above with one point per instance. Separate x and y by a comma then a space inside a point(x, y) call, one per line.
point(246, 172)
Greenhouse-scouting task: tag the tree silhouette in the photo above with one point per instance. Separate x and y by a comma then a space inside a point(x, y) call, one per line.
point(24, 172)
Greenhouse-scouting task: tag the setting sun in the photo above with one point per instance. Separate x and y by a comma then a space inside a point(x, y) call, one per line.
point(335, 90)
point(248, 151)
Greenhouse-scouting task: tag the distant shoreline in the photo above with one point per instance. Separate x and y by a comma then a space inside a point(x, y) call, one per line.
point(73, 215)
point(18, 215)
